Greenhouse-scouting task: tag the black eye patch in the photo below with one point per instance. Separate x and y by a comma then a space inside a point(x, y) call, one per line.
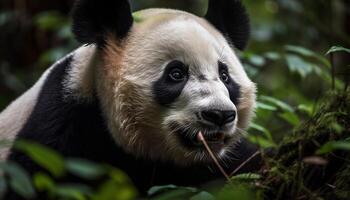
point(171, 84)
point(232, 87)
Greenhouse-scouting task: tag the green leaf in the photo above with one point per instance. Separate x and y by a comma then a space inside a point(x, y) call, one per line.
point(264, 106)
point(246, 176)
point(65, 32)
point(262, 129)
point(264, 142)
point(299, 65)
point(118, 186)
point(118, 176)
point(291, 118)
point(338, 49)
point(308, 109)
point(20, 180)
point(257, 60)
point(50, 20)
point(236, 191)
point(337, 127)
point(158, 189)
point(78, 192)
point(278, 103)
point(173, 195)
point(45, 157)
point(300, 50)
point(332, 146)
point(251, 71)
point(165, 188)
point(261, 142)
point(115, 190)
point(43, 182)
point(84, 169)
point(203, 196)
point(137, 17)
point(272, 55)
point(307, 53)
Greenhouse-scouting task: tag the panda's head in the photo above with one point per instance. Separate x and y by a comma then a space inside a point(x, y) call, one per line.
point(164, 75)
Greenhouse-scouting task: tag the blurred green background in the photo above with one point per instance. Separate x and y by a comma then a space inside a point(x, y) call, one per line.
point(287, 58)
point(286, 55)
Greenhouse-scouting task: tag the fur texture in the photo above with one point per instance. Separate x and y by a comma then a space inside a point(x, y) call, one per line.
point(136, 119)
point(92, 20)
point(112, 101)
point(78, 128)
point(15, 116)
point(231, 18)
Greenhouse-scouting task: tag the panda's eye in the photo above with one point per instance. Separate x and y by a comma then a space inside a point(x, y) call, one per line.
point(176, 71)
point(223, 72)
point(177, 74)
point(224, 76)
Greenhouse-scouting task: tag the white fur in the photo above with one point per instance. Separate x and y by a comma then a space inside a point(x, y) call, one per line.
point(135, 120)
point(80, 79)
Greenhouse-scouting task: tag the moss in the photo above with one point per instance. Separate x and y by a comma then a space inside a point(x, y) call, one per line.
point(296, 171)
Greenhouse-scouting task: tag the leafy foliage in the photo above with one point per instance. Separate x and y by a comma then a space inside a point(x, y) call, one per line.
point(338, 49)
point(19, 179)
point(116, 184)
point(286, 58)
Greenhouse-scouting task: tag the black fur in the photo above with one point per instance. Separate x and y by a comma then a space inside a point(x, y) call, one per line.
point(232, 87)
point(165, 90)
point(78, 130)
point(231, 18)
point(93, 19)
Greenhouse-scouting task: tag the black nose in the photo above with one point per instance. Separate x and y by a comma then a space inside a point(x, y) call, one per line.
point(218, 117)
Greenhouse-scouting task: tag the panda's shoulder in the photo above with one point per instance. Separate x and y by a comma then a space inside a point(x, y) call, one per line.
point(59, 118)
point(56, 102)
point(17, 115)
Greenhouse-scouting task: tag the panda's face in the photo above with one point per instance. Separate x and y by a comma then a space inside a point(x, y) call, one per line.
point(177, 76)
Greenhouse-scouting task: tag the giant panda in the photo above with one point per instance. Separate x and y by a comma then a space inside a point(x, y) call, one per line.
point(139, 90)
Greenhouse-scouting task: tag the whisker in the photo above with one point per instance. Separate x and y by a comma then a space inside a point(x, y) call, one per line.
point(241, 131)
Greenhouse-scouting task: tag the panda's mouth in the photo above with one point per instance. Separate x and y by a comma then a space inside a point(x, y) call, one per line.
point(215, 139)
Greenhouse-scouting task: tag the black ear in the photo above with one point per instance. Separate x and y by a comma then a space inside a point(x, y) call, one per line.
point(93, 19)
point(231, 18)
